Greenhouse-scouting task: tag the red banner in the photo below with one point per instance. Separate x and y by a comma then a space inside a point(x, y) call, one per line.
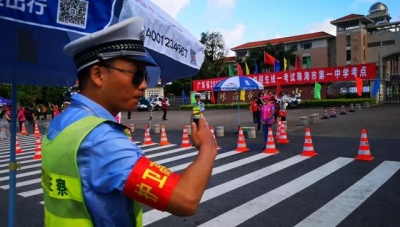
point(304, 76)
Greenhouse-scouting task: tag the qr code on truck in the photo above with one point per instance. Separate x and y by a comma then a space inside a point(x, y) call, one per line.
point(73, 13)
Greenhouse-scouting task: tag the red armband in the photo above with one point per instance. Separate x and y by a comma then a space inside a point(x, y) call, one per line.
point(151, 184)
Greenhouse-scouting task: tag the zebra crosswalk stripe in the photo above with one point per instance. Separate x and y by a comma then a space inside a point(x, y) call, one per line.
point(219, 156)
point(23, 183)
point(26, 151)
point(330, 213)
point(20, 175)
point(155, 215)
point(253, 207)
point(18, 158)
point(160, 147)
point(166, 152)
point(31, 192)
point(335, 211)
point(24, 166)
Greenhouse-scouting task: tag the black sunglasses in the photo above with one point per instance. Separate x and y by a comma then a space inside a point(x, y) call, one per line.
point(138, 76)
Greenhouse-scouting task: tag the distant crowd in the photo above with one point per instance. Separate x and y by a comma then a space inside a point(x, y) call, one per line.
point(26, 116)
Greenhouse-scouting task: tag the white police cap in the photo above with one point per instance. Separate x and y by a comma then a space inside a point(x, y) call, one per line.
point(121, 40)
point(197, 94)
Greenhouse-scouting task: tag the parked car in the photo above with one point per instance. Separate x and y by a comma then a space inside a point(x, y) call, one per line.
point(144, 105)
point(156, 102)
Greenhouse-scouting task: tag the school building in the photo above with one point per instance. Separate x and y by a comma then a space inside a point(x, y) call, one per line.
point(360, 39)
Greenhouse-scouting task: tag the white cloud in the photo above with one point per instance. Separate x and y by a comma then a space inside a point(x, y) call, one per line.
point(325, 26)
point(172, 7)
point(233, 37)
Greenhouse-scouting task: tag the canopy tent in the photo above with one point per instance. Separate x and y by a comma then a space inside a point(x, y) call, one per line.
point(5, 102)
point(37, 31)
point(238, 83)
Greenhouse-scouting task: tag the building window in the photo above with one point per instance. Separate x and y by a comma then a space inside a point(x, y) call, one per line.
point(292, 47)
point(388, 42)
point(348, 55)
point(364, 40)
point(374, 44)
point(364, 55)
point(348, 40)
point(152, 93)
point(304, 60)
point(241, 54)
point(305, 45)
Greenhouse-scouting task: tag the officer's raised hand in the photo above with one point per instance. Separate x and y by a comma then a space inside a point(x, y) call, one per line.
point(201, 135)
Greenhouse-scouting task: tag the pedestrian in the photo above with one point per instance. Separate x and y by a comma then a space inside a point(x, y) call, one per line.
point(98, 177)
point(129, 115)
point(38, 112)
point(29, 120)
point(164, 107)
point(273, 100)
point(255, 110)
point(259, 103)
point(4, 125)
point(21, 118)
point(197, 110)
point(267, 117)
point(282, 106)
point(44, 112)
point(56, 111)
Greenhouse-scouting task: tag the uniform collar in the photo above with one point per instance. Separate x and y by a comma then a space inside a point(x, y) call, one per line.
point(82, 101)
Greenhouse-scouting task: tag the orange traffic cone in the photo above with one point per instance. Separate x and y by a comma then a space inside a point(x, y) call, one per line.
point(147, 138)
point(213, 133)
point(308, 148)
point(282, 135)
point(36, 132)
point(38, 149)
point(18, 148)
point(23, 131)
point(241, 143)
point(129, 134)
point(270, 145)
point(164, 140)
point(364, 152)
point(278, 128)
point(185, 138)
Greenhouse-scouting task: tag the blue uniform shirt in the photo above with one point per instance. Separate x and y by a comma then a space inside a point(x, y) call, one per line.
point(105, 160)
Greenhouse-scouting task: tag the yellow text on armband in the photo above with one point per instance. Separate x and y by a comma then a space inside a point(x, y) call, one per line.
point(148, 173)
point(162, 168)
point(145, 191)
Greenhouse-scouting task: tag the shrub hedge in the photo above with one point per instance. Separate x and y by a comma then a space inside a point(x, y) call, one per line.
point(304, 104)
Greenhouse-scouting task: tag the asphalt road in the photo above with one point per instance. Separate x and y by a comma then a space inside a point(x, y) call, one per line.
point(258, 189)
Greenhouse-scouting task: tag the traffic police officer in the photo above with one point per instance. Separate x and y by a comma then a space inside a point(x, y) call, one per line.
point(198, 109)
point(92, 174)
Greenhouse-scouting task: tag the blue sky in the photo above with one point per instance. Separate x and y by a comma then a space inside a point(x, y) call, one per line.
point(241, 21)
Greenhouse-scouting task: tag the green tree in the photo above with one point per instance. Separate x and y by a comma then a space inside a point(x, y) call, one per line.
point(213, 65)
point(214, 54)
point(5, 91)
point(28, 95)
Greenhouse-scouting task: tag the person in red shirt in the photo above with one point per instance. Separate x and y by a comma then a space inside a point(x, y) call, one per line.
point(255, 109)
point(164, 107)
